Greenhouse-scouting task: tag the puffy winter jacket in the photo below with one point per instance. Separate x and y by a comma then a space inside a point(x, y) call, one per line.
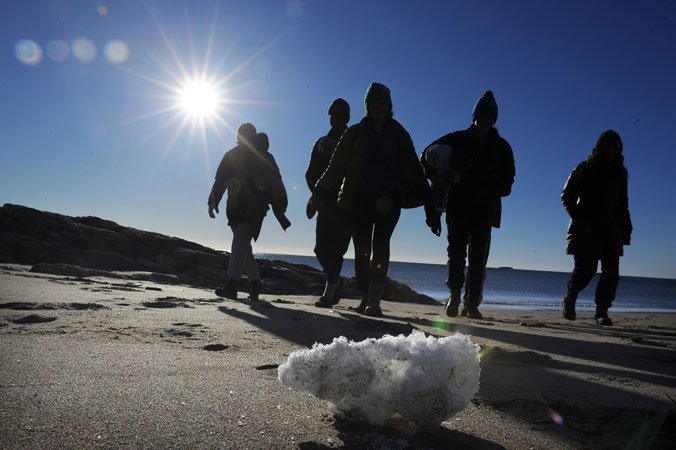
point(595, 197)
point(346, 168)
point(488, 175)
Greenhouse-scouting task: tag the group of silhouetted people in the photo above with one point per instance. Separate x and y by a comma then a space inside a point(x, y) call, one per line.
point(361, 177)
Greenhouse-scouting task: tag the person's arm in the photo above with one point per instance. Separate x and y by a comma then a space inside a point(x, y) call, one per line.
point(571, 194)
point(316, 167)
point(627, 227)
point(220, 186)
point(334, 173)
point(506, 171)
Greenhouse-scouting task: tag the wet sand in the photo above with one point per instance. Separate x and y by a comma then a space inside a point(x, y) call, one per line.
point(108, 363)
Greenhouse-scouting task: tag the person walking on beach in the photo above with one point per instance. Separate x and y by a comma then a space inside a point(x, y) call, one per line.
point(332, 236)
point(241, 175)
point(596, 199)
point(471, 170)
point(378, 172)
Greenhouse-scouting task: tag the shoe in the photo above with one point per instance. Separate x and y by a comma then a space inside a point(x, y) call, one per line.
point(473, 312)
point(323, 302)
point(373, 311)
point(452, 304)
point(254, 290)
point(362, 305)
point(463, 313)
point(568, 309)
point(604, 321)
point(229, 290)
point(602, 318)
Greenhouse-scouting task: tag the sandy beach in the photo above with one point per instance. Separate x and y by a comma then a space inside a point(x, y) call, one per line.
point(108, 363)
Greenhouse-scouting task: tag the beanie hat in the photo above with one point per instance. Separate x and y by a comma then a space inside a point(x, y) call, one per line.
point(486, 105)
point(378, 90)
point(246, 133)
point(340, 105)
point(262, 142)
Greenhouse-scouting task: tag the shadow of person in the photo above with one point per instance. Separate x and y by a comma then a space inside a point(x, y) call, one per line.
point(364, 436)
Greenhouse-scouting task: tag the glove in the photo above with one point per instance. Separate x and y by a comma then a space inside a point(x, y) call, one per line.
point(433, 220)
point(310, 209)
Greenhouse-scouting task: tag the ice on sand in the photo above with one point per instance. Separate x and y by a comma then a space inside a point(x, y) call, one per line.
point(421, 378)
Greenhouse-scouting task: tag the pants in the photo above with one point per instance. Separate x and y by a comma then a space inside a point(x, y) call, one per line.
point(465, 239)
point(332, 241)
point(373, 223)
point(241, 254)
point(584, 271)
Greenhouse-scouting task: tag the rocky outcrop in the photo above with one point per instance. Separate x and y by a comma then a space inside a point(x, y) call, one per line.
point(90, 246)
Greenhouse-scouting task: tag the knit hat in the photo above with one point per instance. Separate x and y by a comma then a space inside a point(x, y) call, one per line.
point(378, 90)
point(340, 105)
point(487, 106)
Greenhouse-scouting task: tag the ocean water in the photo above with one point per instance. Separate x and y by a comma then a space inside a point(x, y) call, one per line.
point(507, 288)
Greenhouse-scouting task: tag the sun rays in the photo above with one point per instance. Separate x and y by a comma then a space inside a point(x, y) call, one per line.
point(198, 91)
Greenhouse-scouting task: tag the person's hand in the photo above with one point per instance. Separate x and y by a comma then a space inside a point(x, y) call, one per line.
point(285, 223)
point(433, 220)
point(212, 209)
point(310, 209)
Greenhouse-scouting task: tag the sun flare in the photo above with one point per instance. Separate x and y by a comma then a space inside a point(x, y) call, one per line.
point(199, 99)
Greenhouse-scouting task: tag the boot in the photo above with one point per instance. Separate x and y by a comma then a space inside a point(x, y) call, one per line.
point(453, 303)
point(568, 306)
point(229, 290)
point(375, 293)
point(338, 292)
point(473, 312)
point(254, 290)
point(362, 304)
point(601, 316)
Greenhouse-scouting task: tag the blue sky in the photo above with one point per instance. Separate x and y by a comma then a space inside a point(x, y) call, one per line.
point(99, 134)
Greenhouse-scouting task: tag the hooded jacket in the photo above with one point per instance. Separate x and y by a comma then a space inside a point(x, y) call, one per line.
point(595, 197)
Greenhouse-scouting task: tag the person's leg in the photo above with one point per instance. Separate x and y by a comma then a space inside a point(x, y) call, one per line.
point(252, 271)
point(385, 222)
point(607, 288)
point(583, 272)
point(362, 231)
point(324, 237)
point(239, 249)
point(458, 237)
point(479, 246)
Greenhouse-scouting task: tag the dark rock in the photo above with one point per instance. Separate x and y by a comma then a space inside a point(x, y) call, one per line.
point(91, 246)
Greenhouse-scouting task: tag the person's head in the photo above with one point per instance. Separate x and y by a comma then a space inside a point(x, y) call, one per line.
point(378, 102)
point(261, 142)
point(339, 114)
point(485, 112)
point(246, 134)
point(608, 148)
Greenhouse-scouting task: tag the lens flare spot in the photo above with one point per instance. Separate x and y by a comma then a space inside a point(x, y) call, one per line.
point(84, 50)
point(199, 99)
point(57, 51)
point(556, 417)
point(28, 52)
point(102, 10)
point(116, 52)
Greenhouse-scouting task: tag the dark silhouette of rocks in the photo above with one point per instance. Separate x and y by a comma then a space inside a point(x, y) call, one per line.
point(84, 247)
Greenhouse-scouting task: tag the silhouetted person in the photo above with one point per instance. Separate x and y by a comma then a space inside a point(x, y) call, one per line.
point(595, 197)
point(268, 183)
point(378, 172)
point(476, 174)
point(246, 173)
point(332, 235)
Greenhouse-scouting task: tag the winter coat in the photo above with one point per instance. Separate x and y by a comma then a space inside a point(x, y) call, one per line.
point(346, 168)
point(487, 175)
point(253, 181)
point(595, 197)
point(320, 158)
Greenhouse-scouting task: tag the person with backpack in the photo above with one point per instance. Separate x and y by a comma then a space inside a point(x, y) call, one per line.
point(247, 173)
point(332, 234)
point(596, 199)
point(378, 172)
point(471, 170)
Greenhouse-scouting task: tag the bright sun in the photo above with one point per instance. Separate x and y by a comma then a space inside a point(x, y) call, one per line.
point(199, 99)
